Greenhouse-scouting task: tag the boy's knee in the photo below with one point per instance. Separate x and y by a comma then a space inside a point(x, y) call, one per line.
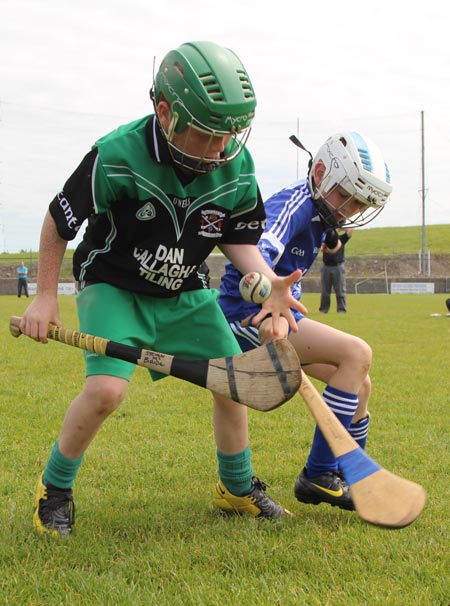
point(106, 393)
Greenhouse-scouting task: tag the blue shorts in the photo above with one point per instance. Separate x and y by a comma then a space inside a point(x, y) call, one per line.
point(248, 337)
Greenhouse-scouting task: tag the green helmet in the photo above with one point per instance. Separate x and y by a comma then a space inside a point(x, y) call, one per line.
point(208, 83)
point(209, 90)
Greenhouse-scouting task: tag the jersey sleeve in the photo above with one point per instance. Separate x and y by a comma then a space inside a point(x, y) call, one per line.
point(71, 206)
point(248, 221)
point(344, 238)
point(285, 223)
point(87, 192)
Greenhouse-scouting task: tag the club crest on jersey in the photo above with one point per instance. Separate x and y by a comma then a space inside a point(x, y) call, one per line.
point(211, 223)
point(146, 213)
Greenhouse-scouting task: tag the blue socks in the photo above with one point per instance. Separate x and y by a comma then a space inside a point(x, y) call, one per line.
point(344, 405)
point(359, 431)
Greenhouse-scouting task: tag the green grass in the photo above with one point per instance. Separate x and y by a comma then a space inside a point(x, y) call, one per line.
point(400, 240)
point(146, 532)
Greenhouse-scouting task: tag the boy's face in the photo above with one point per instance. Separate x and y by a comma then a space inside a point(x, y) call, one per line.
point(344, 204)
point(339, 201)
point(198, 149)
point(199, 144)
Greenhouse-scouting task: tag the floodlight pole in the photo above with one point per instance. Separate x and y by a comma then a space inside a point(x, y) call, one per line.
point(423, 261)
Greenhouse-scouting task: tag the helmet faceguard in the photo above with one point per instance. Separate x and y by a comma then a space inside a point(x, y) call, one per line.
point(355, 164)
point(209, 91)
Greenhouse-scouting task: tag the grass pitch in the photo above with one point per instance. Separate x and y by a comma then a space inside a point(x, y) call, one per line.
point(146, 532)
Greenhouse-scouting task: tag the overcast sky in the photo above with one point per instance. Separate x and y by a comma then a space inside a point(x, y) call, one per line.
point(72, 71)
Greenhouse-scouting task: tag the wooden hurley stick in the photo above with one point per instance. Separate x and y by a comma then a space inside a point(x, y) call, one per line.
point(263, 378)
point(380, 497)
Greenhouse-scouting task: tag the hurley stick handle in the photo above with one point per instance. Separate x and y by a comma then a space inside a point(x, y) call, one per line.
point(105, 347)
point(81, 340)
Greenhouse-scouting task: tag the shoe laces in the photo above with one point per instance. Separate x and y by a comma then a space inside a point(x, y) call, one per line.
point(263, 501)
point(335, 480)
point(259, 484)
point(58, 508)
point(341, 477)
point(267, 506)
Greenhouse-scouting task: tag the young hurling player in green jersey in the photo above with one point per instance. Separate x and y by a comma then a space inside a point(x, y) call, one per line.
point(158, 195)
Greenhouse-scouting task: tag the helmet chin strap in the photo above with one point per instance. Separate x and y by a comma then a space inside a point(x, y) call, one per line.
point(326, 215)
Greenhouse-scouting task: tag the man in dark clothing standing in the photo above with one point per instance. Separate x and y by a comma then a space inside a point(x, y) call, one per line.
point(332, 275)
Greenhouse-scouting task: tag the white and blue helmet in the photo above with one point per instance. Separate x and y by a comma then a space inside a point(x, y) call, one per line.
point(355, 163)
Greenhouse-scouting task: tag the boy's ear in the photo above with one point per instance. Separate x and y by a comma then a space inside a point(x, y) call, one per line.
point(163, 111)
point(318, 172)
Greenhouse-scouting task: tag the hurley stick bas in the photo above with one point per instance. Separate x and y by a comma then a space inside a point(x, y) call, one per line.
point(263, 378)
point(380, 497)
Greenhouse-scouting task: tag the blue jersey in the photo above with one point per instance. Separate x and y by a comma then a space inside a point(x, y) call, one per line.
point(291, 240)
point(22, 272)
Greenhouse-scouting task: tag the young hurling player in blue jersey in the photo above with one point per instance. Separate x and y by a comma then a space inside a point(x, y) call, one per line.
point(158, 195)
point(348, 184)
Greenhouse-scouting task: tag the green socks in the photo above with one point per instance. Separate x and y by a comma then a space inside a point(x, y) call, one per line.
point(61, 471)
point(236, 471)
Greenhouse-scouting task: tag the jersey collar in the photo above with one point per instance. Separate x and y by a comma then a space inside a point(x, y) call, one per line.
point(156, 142)
point(159, 150)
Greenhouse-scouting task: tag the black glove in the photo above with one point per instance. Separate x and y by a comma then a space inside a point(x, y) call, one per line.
point(331, 238)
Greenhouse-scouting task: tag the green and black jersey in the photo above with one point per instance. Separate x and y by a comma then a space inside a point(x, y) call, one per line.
point(150, 225)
